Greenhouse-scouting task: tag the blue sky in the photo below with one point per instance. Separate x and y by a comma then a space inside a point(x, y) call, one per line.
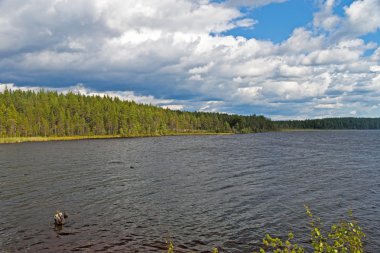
point(286, 59)
point(276, 22)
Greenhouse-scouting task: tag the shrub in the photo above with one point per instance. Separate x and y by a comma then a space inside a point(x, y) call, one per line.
point(343, 237)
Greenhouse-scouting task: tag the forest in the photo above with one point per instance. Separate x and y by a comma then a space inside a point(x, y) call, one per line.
point(48, 113)
point(330, 123)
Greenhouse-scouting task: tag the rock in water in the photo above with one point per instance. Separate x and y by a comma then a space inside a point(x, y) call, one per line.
point(59, 218)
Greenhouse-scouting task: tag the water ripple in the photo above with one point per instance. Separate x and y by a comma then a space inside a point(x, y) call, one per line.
point(199, 191)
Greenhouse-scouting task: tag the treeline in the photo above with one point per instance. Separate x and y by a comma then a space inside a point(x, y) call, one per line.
point(48, 113)
point(330, 123)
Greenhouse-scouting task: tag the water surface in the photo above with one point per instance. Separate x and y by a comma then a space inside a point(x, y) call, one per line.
point(199, 191)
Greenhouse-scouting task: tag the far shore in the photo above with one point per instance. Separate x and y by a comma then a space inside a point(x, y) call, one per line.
point(316, 129)
point(8, 140)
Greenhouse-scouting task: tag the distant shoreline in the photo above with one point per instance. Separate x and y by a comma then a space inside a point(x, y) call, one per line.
point(318, 130)
point(12, 140)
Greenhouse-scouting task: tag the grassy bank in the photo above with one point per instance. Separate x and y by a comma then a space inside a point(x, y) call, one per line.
point(71, 138)
point(53, 138)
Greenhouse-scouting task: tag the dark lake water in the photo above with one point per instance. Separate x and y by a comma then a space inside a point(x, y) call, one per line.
point(130, 195)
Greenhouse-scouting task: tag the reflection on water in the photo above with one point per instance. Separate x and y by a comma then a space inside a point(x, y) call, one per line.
point(200, 191)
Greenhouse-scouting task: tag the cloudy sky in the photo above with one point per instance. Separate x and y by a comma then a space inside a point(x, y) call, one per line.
point(286, 59)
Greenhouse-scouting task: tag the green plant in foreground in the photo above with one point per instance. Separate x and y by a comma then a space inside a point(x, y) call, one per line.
point(346, 236)
point(170, 246)
point(279, 246)
point(343, 237)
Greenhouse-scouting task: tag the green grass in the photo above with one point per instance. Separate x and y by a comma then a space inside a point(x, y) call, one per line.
point(53, 138)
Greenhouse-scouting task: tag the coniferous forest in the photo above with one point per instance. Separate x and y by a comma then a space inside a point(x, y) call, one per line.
point(48, 113)
point(331, 123)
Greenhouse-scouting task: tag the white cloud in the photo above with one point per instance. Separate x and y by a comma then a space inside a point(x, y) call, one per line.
point(81, 89)
point(294, 71)
point(295, 90)
point(170, 48)
point(211, 106)
point(326, 18)
point(376, 55)
point(202, 69)
point(331, 56)
point(196, 77)
point(302, 41)
point(328, 106)
point(375, 68)
point(360, 18)
point(173, 107)
point(363, 16)
point(246, 22)
point(248, 94)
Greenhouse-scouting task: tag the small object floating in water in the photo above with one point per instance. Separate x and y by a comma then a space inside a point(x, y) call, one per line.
point(59, 218)
point(131, 167)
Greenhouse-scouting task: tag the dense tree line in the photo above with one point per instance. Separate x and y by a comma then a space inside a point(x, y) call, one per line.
point(48, 113)
point(331, 123)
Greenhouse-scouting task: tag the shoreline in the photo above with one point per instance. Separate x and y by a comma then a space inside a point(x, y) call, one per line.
point(13, 140)
point(318, 130)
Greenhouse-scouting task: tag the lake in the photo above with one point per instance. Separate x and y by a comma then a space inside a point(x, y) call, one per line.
point(198, 191)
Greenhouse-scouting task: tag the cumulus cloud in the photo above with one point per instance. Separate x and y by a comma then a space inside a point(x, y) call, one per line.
point(174, 54)
point(363, 17)
point(83, 90)
point(302, 41)
point(325, 18)
point(360, 18)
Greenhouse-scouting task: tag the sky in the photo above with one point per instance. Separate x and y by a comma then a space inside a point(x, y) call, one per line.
point(285, 59)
